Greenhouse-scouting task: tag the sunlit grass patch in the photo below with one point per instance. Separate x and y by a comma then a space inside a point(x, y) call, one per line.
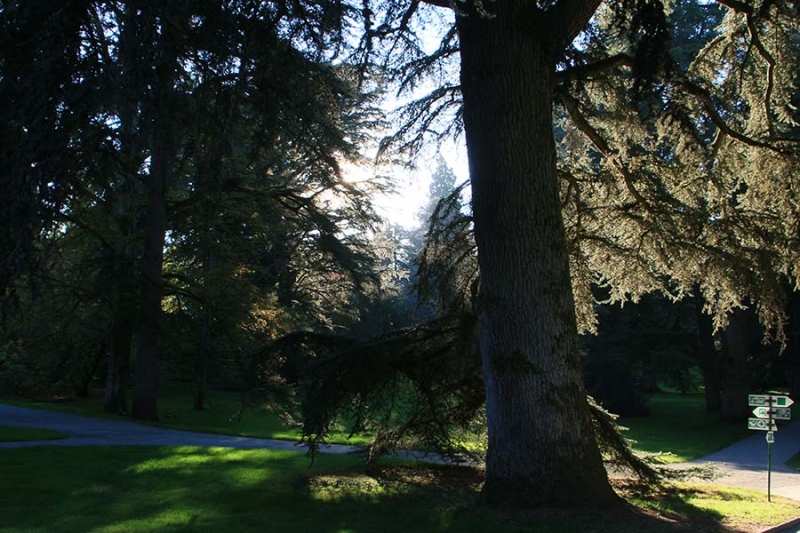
point(143, 489)
point(734, 508)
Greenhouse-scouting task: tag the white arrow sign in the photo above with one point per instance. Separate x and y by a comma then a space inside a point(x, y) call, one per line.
point(776, 413)
point(781, 401)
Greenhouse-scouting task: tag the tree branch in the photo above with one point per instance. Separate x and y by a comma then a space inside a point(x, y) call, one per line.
point(708, 104)
point(751, 25)
point(736, 5)
point(584, 71)
point(569, 17)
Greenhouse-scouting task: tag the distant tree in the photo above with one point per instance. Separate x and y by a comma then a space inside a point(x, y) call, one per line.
point(443, 183)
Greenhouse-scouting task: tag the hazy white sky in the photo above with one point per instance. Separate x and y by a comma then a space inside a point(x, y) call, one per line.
point(412, 186)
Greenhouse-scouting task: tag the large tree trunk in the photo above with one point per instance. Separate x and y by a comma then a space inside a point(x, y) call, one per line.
point(542, 451)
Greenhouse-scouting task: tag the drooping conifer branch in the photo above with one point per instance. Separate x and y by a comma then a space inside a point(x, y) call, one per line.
point(771, 63)
point(573, 108)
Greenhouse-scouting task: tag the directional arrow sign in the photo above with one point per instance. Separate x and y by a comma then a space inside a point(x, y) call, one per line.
point(761, 424)
point(766, 400)
point(781, 401)
point(776, 413)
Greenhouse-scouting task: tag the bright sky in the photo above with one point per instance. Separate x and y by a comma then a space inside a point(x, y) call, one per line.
point(412, 186)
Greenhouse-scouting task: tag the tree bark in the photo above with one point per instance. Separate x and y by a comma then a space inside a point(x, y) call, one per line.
point(542, 450)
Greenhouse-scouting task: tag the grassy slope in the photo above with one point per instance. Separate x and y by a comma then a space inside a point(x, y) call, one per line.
point(175, 408)
point(14, 434)
point(189, 489)
point(679, 424)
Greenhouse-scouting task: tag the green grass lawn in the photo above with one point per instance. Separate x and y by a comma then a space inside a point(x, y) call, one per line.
point(794, 462)
point(680, 425)
point(15, 434)
point(135, 489)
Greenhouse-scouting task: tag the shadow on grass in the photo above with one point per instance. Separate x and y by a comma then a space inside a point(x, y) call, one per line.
point(134, 489)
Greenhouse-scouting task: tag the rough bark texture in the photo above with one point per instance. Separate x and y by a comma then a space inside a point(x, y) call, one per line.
point(542, 451)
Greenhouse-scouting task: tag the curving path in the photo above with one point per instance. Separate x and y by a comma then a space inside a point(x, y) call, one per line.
point(88, 431)
point(743, 464)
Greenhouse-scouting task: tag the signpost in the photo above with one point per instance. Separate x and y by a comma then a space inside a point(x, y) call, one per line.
point(768, 409)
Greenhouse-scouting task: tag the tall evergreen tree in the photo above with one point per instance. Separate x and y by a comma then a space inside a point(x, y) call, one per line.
point(644, 175)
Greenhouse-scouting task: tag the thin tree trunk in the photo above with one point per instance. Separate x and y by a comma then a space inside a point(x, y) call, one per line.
point(542, 450)
point(737, 342)
point(204, 354)
point(119, 358)
point(124, 305)
point(124, 312)
point(792, 352)
point(707, 356)
point(145, 398)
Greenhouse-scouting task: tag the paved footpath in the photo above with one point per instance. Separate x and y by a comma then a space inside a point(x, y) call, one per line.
point(743, 464)
point(89, 431)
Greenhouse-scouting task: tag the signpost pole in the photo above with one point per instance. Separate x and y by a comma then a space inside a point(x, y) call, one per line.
point(769, 472)
point(769, 457)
